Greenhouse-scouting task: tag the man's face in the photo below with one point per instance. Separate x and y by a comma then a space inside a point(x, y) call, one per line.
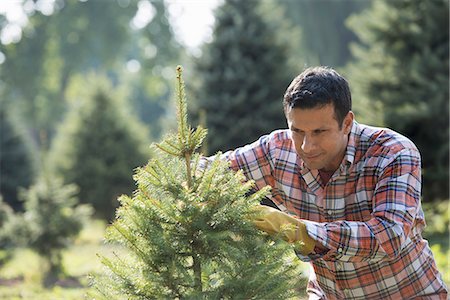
point(317, 138)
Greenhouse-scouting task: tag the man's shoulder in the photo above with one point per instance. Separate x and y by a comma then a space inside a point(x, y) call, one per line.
point(382, 139)
point(280, 138)
point(280, 135)
point(382, 144)
point(272, 142)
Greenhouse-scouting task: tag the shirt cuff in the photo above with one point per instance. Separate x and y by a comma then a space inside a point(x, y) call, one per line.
point(318, 232)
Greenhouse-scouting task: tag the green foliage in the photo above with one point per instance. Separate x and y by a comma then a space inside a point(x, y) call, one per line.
point(442, 257)
point(99, 144)
point(188, 232)
point(243, 73)
point(6, 213)
point(437, 232)
point(53, 218)
point(157, 51)
point(403, 63)
point(55, 50)
point(158, 54)
point(21, 275)
point(76, 38)
point(324, 34)
point(437, 215)
point(13, 233)
point(16, 162)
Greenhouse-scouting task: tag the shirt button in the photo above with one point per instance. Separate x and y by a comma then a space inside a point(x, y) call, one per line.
point(339, 250)
point(330, 212)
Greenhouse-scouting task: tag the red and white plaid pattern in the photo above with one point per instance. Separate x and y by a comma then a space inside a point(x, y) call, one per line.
point(368, 214)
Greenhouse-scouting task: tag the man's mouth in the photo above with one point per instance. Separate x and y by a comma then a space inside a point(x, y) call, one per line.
point(312, 157)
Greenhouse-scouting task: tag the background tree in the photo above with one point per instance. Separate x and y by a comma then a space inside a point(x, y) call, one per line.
point(76, 37)
point(17, 167)
point(403, 63)
point(52, 219)
point(325, 37)
point(158, 53)
point(99, 144)
point(244, 73)
point(187, 231)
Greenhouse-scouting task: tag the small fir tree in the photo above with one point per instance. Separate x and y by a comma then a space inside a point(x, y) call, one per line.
point(187, 231)
point(53, 219)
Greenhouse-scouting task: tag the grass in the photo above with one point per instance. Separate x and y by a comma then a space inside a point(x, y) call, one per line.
point(20, 277)
point(437, 232)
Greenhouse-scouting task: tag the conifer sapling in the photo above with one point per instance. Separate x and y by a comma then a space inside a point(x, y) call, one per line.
point(187, 233)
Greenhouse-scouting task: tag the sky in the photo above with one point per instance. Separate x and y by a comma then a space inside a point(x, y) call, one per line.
point(192, 19)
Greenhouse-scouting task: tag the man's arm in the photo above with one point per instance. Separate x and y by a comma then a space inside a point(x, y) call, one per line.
point(395, 206)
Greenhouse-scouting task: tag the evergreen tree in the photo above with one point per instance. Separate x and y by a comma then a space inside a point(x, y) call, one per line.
point(16, 162)
point(76, 36)
point(403, 63)
point(187, 231)
point(52, 219)
point(157, 51)
point(325, 37)
point(98, 145)
point(244, 74)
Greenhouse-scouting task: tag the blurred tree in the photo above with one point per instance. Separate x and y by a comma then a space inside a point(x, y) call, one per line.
point(80, 36)
point(324, 34)
point(244, 73)
point(22, 76)
point(99, 144)
point(17, 167)
point(156, 51)
point(403, 63)
point(52, 218)
point(76, 37)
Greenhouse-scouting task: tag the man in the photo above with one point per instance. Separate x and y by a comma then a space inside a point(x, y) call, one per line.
point(350, 192)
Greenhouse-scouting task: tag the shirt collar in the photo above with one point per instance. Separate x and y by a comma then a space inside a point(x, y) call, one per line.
point(350, 152)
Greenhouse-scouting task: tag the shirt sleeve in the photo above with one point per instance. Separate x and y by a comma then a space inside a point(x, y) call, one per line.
point(396, 204)
point(256, 160)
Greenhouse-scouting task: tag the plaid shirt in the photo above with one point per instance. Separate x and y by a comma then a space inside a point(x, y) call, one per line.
point(368, 214)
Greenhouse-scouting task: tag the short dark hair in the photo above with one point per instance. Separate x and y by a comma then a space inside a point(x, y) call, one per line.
point(319, 86)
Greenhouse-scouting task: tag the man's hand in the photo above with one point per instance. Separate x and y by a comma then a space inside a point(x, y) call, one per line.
point(292, 230)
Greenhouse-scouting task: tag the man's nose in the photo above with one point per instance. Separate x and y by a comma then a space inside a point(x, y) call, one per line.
point(307, 144)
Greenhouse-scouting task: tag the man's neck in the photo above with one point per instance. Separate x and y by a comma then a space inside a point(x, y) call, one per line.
point(325, 175)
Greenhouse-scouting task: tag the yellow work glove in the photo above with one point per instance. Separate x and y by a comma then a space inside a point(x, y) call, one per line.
point(292, 230)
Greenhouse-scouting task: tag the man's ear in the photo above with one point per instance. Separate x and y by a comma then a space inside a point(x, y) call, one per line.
point(348, 122)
